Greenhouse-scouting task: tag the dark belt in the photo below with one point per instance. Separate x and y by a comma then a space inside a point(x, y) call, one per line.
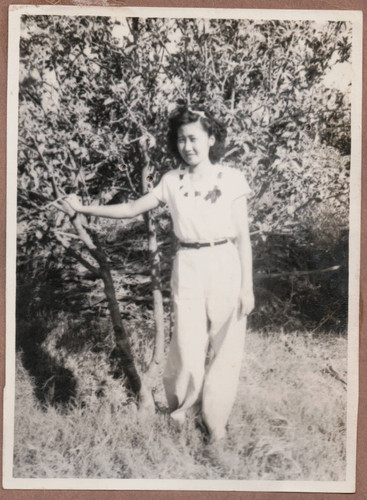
point(200, 245)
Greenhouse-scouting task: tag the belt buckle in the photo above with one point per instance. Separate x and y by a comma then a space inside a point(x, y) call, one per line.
point(197, 246)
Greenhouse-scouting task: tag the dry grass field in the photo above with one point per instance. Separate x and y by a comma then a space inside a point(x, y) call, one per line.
point(288, 422)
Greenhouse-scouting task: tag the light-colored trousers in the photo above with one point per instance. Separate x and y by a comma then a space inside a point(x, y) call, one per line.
point(207, 345)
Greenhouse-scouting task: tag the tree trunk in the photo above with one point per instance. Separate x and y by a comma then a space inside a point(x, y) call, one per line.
point(155, 270)
point(122, 353)
point(156, 289)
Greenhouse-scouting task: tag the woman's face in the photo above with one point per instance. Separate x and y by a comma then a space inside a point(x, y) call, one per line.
point(194, 143)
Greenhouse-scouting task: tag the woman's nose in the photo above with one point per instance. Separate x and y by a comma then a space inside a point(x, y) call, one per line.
point(187, 146)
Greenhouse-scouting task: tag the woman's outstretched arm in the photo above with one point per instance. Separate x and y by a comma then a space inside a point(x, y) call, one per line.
point(120, 211)
point(247, 301)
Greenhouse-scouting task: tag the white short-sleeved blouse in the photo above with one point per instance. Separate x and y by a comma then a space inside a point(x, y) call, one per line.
point(202, 211)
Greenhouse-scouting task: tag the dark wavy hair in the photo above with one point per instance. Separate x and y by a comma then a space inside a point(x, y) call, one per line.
point(183, 116)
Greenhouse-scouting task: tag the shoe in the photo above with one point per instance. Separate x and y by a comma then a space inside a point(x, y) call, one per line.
point(178, 417)
point(217, 436)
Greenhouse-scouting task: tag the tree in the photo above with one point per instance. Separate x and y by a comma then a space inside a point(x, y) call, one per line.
point(95, 94)
point(43, 156)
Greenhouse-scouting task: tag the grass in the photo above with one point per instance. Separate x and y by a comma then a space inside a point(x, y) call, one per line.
point(288, 422)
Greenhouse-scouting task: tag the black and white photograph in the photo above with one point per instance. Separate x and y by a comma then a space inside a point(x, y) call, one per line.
point(183, 232)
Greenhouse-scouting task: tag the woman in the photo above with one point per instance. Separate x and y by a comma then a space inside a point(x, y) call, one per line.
point(212, 272)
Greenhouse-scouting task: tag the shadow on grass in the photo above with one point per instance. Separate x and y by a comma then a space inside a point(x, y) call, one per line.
point(53, 383)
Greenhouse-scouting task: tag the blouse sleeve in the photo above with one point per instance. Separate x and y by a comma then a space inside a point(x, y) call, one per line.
point(239, 185)
point(160, 190)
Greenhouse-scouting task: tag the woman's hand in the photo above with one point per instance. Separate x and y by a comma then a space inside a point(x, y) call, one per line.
point(74, 202)
point(246, 302)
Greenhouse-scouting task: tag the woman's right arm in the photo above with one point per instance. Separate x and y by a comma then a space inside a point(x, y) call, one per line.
point(120, 211)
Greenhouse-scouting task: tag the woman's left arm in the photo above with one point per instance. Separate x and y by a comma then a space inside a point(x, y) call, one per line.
point(239, 209)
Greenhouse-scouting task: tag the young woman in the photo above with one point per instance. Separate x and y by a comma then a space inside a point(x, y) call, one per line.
point(212, 272)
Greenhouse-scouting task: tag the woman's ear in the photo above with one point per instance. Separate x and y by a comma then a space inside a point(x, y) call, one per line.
point(211, 140)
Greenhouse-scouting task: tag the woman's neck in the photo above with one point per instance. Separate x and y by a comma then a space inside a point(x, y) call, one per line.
point(201, 170)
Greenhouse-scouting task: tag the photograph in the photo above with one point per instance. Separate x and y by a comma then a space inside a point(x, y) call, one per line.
point(183, 247)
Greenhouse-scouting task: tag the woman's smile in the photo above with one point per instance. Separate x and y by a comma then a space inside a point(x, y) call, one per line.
point(194, 143)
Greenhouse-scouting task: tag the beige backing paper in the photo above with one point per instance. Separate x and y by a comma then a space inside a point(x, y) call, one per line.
point(176, 489)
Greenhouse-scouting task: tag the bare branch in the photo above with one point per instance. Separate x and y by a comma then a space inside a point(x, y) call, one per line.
point(76, 255)
point(67, 235)
point(55, 203)
point(49, 168)
point(298, 273)
point(231, 151)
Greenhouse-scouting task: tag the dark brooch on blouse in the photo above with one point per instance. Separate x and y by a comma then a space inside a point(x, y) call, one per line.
point(212, 195)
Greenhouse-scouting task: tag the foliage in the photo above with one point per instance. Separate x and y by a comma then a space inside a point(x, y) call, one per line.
point(95, 94)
